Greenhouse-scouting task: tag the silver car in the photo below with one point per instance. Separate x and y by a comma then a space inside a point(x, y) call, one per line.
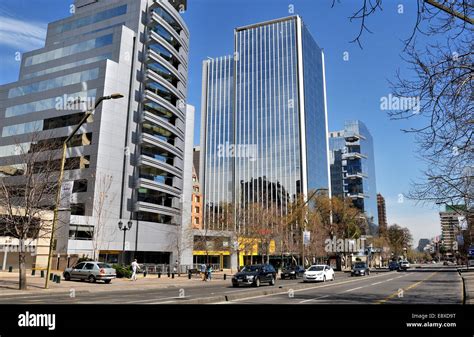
point(91, 271)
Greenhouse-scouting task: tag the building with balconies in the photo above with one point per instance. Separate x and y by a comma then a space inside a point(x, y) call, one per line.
point(140, 144)
point(351, 153)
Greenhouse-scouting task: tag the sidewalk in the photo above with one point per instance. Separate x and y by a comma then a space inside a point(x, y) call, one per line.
point(9, 283)
point(468, 280)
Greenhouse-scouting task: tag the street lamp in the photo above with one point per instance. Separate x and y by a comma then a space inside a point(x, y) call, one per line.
point(87, 114)
point(125, 228)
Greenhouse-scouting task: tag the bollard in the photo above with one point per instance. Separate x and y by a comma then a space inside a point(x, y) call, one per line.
point(144, 273)
point(189, 275)
point(58, 279)
point(42, 274)
point(51, 277)
point(33, 272)
point(225, 277)
point(172, 275)
point(159, 275)
point(168, 274)
point(10, 269)
point(54, 278)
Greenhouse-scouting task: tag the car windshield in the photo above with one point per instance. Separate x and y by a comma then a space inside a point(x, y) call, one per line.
point(316, 268)
point(251, 268)
point(360, 265)
point(104, 265)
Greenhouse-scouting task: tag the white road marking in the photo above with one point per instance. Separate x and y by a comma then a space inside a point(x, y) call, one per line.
point(314, 299)
point(376, 283)
point(346, 291)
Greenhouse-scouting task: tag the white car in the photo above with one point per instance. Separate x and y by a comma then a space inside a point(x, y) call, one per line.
point(404, 265)
point(318, 272)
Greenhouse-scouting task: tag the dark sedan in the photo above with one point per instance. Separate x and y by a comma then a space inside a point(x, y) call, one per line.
point(393, 265)
point(255, 275)
point(292, 272)
point(359, 269)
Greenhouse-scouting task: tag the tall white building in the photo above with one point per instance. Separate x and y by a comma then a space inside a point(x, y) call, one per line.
point(137, 149)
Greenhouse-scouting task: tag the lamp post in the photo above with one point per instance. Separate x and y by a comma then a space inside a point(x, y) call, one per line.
point(87, 114)
point(125, 228)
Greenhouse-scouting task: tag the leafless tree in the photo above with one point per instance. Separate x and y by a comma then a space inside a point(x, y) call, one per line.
point(28, 185)
point(442, 82)
point(101, 205)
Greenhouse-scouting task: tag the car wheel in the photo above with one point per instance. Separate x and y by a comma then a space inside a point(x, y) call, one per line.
point(257, 282)
point(282, 277)
point(107, 281)
point(91, 278)
point(67, 277)
point(235, 285)
point(272, 281)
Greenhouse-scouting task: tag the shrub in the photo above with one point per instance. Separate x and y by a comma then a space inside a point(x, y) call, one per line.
point(122, 271)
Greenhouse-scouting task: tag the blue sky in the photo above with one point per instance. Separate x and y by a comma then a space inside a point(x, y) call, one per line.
point(354, 87)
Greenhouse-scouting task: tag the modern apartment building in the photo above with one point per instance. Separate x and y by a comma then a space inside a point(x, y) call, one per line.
point(382, 213)
point(353, 168)
point(264, 122)
point(137, 149)
point(452, 223)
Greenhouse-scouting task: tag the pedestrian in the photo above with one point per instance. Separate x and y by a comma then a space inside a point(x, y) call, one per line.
point(203, 272)
point(135, 267)
point(209, 272)
point(175, 268)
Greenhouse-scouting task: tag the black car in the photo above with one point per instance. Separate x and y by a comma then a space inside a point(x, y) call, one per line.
point(292, 272)
point(255, 275)
point(393, 265)
point(359, 269)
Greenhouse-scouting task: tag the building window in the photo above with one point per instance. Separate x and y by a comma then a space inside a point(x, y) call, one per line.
point(196, 221)
point(81, 232)
point(78, 209)
point(79, 186)
point(196, 209)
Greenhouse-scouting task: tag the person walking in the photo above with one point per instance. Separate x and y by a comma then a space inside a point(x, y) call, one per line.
point(209, 272)
point(203, 272)
point(135, 267)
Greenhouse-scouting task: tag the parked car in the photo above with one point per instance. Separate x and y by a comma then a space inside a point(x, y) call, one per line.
point(92, 271)
point(404, 265)
point(318, 272)
point(393, 265)
point(292, 272)
point(445, 263)
point(359, 269)
point(255, 275)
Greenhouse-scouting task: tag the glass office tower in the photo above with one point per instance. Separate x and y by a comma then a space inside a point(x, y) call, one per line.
point(268, 103)
point(353, 167)
point(138, 48)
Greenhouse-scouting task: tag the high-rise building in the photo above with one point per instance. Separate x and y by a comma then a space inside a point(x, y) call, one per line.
point(382, 213)
point(452, 220)
point(140, 144)
point(264, 121)
point(353, 167)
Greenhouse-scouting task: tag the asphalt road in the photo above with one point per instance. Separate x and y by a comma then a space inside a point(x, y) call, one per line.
point(441, 285)
point(426, 286)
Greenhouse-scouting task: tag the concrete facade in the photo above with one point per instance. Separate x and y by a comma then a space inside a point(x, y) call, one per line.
point(135, 148)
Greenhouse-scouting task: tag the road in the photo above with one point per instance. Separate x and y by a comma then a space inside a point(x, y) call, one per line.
point(428, 285)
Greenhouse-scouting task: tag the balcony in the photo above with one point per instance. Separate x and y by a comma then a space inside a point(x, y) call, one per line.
point(157, 186)
point(152, 118)
point(353, 155)
point(146, 160)
point(150, 95)
point(149, 139)
point(153, 208)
